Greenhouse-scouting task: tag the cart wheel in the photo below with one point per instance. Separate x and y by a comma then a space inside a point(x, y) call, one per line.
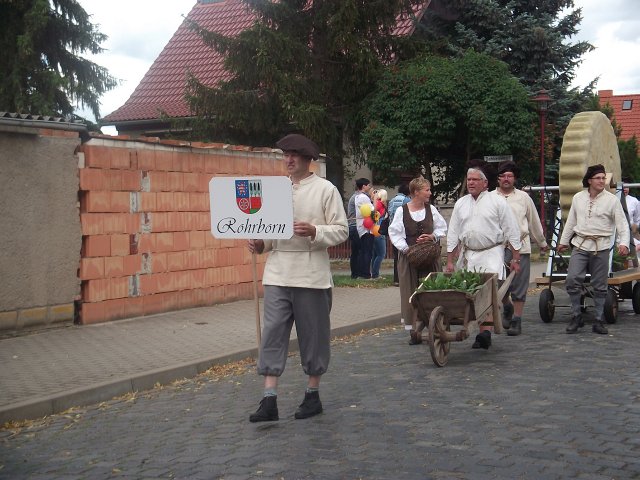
point(439, 348)
point(611, 306)
point(635, 299)
point(626, 290)
point(546, 306)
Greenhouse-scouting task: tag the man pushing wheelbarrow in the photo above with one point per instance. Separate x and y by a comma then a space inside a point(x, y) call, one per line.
point(480, 227)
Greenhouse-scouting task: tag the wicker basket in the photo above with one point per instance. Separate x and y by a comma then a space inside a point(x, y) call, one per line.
point(423, 255)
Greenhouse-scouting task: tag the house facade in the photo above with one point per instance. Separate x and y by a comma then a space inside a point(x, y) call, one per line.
point(626, 111)
point(159, 97)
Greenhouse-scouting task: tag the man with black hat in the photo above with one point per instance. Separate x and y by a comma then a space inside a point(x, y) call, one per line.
point(297, 281)
point(530, 228)
point(593, 216)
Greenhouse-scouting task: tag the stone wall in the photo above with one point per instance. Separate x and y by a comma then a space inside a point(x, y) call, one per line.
point(113, 228)
point(40, 226)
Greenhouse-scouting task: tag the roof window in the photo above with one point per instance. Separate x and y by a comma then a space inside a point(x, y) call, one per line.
point(627, 104)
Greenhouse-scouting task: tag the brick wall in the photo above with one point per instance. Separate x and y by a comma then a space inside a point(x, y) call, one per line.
point(146, 241)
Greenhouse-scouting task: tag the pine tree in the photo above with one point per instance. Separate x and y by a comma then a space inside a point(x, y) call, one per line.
point(533, 37)
point(43, 71)
point(302, 66)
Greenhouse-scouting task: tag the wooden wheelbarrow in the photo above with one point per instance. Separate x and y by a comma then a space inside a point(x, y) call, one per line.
point(440, 309)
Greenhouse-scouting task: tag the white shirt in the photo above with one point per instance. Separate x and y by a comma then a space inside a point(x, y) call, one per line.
point(482, 226)
point(527, 217)
point(361, 199)
point(300, 261)
point(633, 207)
point(397, 233)
point(595, 217)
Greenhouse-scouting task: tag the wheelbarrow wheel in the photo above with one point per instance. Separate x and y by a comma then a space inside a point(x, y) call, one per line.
point(611, 306)
point(635, 299)
point(437, 345)
point(546, 306)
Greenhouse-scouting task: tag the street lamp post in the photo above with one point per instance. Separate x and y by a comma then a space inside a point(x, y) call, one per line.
point(542, 99)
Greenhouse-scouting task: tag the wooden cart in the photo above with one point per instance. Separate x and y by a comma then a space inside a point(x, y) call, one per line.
point(620, 286)
point(444, 308)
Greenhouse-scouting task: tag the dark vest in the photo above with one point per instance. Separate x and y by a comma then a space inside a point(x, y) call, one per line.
point(414, 229)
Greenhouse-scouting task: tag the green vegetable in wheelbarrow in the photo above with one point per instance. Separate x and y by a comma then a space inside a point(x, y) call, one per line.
point(462, 280)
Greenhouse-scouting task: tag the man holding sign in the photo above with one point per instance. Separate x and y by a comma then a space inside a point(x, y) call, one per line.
point(297, 281)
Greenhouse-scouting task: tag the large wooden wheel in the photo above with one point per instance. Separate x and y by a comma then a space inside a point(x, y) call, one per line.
point(438, 343)
point(588, 140)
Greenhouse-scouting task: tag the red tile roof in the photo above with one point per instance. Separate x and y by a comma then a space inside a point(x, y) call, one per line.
point(628, 119)
point(162, 88)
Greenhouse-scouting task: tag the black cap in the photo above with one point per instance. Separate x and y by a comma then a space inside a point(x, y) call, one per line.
point(300, 144)
point(592, 171)
point(508, 166)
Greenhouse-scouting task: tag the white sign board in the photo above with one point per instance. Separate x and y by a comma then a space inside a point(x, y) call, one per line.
point(498, 158)
point(251, 207)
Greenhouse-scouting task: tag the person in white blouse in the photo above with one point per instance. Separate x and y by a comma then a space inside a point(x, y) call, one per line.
point(415, 222)
point(594, 215)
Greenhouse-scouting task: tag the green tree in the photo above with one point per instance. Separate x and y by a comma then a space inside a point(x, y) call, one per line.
point(533, 37)
point(302, 66)
point(630, 158)
point(435, 114)
point(43, 71)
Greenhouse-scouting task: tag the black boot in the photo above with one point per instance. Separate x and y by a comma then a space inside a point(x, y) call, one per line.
point(515, 328)
point(483, 340)
point(574, 324)
point(415, 338)
point(310, 406)
point(507, 315)
point(598, 327)
point(267, 411)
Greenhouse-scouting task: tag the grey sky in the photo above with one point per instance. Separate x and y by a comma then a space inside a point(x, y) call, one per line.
point(139, 29)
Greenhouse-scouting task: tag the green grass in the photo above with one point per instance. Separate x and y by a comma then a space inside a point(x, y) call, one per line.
point(345, 280)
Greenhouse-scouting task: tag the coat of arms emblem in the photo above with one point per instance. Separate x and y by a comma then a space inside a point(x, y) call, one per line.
point(249, 195)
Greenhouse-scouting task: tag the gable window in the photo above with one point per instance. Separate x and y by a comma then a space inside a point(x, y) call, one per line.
point(627, 104)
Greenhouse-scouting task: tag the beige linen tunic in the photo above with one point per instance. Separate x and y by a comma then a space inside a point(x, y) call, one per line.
point(595, 218)
point(300, 261)
point(527, 217)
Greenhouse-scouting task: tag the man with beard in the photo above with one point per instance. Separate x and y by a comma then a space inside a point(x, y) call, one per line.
point(530, 227)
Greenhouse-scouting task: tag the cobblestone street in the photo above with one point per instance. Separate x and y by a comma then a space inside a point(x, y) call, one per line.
point(544, 405)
